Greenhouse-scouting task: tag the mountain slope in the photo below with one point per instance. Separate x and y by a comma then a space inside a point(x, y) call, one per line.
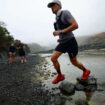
point(34, 47)
point(92, 42)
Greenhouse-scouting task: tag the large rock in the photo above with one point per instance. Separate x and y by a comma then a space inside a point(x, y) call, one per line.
point(54, 100)
point(89, 85)
point(90, 81)
point(79, 87)
point(67, 88)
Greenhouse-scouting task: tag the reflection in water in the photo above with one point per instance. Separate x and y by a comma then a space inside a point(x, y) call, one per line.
point(88, 95)
point(88, 87)
point(89, 91)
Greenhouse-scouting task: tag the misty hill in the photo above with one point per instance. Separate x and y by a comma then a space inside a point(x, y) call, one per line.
point(85, 43)
point(34, 48)
point(92, 42)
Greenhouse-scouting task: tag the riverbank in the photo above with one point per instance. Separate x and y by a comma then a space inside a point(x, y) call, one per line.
point(21, 84)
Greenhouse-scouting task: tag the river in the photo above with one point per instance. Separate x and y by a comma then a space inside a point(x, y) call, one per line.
point(95, 62)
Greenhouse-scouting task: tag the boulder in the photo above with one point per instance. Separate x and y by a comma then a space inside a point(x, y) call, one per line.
point(67, 88)
point(55, 100)
point(90, 81)
point(88, 85)
point(79, 87)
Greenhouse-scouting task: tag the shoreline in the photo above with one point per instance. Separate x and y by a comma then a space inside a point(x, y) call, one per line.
point(21, 84)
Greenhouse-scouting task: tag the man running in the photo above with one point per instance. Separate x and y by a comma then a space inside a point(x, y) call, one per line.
point(64, 25)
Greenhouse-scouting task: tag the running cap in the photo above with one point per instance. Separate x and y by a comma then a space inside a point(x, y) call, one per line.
point(54, 2)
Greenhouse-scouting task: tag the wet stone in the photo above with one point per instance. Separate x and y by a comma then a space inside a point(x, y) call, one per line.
point(79, 87)
point(54, 73)
point(69, 103)
point(90, 88)
point(81, 102)
point(89, 85)
point(90, 81)
point(54, 100)
point(67, 88)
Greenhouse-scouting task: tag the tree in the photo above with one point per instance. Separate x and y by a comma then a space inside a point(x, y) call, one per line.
point(5, 37)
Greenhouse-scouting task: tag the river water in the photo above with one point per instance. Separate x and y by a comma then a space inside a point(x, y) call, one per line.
point(95, 62)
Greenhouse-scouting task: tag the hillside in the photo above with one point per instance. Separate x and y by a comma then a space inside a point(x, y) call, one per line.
point(85, 43)
point(92, 42)
point(34, 48)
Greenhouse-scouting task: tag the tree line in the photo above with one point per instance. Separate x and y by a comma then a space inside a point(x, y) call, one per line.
point(6, 39)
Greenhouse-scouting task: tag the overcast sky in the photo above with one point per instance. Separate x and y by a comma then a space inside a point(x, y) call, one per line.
point(31, 20)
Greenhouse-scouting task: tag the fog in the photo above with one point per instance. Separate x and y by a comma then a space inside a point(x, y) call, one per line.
point(31, 20)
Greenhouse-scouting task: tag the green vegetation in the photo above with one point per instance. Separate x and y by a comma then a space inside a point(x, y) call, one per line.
point(6, 39)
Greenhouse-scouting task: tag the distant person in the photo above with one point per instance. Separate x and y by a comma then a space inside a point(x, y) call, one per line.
point(22, 53)
point(12, 53)
point(64, 25)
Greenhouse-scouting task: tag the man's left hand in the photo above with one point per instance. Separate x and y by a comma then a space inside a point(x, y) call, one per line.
point(56, 33)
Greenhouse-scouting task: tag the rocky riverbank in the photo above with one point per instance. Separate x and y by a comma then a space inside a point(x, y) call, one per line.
point(30, 84)
point(21, 84)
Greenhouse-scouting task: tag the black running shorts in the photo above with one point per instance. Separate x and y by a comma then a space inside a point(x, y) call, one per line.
point(71, 47)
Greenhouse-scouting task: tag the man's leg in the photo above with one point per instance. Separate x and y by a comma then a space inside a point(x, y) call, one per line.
point(22, 59)
point(76, 63)
point(13, 57)
point(54, 59)
point(10, 57)
point(25, 60)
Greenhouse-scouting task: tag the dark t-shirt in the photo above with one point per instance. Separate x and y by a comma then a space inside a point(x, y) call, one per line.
point(21, 50)
point(12, 49)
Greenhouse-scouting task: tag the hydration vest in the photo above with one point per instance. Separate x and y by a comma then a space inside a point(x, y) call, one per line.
point(59, 24)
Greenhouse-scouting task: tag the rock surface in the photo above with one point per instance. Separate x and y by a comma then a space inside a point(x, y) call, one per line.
point(67, 88)
point(21, 84)
point(89, 85)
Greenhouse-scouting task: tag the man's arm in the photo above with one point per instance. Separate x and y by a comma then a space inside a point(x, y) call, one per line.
point(68, 19)
point(72, 27)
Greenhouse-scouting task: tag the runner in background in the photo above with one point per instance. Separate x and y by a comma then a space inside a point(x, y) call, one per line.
point(22, 53)
point(12, 53)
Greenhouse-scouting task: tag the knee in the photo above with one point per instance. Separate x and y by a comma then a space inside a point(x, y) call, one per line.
point(74, 62)
point(53, 59)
